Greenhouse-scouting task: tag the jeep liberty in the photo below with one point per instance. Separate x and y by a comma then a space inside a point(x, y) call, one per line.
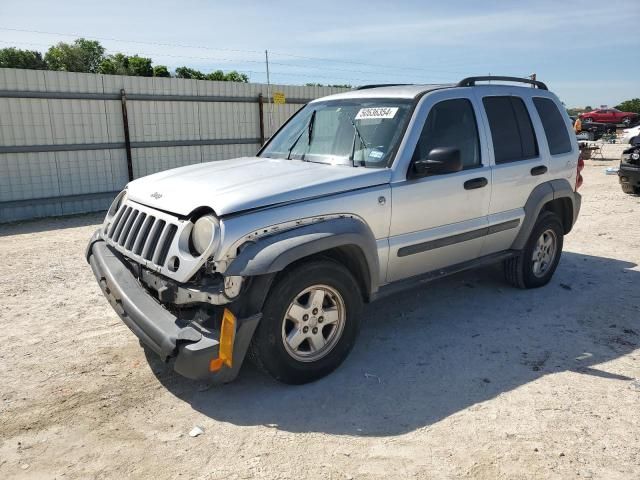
point(357, 195)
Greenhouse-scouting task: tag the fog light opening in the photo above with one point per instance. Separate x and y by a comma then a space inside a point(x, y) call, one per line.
point(173, 264)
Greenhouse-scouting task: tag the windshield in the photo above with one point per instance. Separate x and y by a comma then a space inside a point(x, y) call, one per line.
point(358, 132)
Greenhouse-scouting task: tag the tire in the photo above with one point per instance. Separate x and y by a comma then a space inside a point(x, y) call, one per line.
point(630, 189)
point(588, 120)
point(287, 301)
point(522, 271)
point(626, 121)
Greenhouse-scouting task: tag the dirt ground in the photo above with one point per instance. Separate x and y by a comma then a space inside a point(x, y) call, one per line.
point(465, 378)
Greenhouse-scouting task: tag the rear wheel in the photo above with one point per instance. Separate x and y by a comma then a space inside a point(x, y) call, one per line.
point(310, 322)
point(537, 262)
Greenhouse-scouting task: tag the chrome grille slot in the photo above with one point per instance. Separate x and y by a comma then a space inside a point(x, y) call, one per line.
point(119, 224)
point(116, 221)
point(165, 243)
point(134, 231)
point(127, 227)
point(152, 241)
point(144, 233)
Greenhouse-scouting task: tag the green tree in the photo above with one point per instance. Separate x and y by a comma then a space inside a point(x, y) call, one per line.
point(117, 64)
point(632, 105)
point(234, 76)
point(80, 56)
point(186, 72)
point(140, 66)
point(161, 71)
point(121, 64)
point(588, 108)
point(218, 75)
point(16, 58)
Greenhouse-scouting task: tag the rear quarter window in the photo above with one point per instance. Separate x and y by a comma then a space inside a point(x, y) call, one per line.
point(554, 127)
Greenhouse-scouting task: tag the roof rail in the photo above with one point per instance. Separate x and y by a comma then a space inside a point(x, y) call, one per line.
point(471, 81)
point(366, 87)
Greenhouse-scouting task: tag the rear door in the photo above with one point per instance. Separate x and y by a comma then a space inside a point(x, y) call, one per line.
point(518, 164)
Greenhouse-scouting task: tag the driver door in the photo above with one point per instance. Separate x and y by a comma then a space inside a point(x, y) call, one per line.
point(441, 220)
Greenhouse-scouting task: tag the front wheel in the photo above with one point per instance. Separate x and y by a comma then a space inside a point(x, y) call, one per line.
point(630, 189)
point(537, 262)
point(626, 121)
point(588, 120)
point(309, 324)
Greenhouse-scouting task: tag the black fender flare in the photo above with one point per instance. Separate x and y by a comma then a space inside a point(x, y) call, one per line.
point(542, 194)
point(274, 253)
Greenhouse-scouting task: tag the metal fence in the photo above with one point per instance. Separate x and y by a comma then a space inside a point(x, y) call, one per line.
point(70, 141)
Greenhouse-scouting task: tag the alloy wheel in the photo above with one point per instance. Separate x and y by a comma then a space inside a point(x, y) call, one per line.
point(313, 323)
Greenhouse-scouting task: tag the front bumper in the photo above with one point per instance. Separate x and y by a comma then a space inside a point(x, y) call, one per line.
point(187, 344)
point(628, 173)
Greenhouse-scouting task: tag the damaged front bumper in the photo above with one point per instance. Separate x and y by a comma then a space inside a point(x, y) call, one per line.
point(194, 350)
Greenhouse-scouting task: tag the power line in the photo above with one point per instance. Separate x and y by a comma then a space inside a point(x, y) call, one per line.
point(348, 62)
point(253, 72)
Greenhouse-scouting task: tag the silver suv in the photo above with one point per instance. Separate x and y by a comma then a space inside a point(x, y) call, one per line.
point(356, 195)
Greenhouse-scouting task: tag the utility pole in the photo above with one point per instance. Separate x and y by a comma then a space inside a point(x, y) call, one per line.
point(269, 97)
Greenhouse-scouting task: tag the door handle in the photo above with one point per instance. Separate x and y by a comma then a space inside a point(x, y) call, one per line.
point(539, 170)
point(475, 183)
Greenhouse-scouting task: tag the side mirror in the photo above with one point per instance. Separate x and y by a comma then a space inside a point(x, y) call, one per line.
point(439, 160)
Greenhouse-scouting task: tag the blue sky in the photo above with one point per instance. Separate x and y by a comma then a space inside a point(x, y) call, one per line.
point(587, 51)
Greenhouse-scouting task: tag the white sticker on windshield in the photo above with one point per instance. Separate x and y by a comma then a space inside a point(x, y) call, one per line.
point(376, 112)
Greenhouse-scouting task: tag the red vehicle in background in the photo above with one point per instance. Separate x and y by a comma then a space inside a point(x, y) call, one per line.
point(609, 115)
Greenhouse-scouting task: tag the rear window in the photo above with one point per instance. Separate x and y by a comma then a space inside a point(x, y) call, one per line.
point(511, 129)
point(554, 127)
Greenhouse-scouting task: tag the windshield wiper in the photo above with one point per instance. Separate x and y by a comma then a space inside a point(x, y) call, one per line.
point(309, 129)
point(356, 132)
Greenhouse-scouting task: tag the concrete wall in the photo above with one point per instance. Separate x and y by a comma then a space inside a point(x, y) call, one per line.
point(62, 156)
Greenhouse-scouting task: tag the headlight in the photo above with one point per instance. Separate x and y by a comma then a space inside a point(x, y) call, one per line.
point(204, 232)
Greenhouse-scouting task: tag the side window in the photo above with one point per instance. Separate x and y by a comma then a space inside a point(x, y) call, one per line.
point(554, 127)
point(511, 129)
point(451, 123)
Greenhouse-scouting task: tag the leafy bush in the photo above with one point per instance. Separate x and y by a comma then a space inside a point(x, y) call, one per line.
point(88, 56)
point(632, 105)
point(161, 71)
point(80, 56)
point(15, 58)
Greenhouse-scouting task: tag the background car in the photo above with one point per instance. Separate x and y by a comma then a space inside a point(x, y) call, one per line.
point(609, 115)
point(595, 130)
point(629, 133)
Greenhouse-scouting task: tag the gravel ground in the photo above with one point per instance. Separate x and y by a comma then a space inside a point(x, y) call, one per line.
point(466, 377)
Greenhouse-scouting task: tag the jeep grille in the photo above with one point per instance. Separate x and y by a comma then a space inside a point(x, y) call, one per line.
point(141, 234)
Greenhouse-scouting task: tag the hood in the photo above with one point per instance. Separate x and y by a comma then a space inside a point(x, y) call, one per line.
point(230, 186)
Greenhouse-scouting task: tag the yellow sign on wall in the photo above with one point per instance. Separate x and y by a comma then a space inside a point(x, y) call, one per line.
point(278, 97)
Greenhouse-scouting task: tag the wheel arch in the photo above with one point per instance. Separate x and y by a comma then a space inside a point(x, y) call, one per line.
point(347, 240)
point(555, 196)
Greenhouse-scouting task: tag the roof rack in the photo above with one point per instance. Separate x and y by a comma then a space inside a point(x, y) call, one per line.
point(365, 87)
point(471, 81)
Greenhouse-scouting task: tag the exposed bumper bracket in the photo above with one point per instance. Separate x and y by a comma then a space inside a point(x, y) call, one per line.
point(168, 336)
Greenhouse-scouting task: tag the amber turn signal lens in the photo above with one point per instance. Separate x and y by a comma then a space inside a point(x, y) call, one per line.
point(227, 338)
